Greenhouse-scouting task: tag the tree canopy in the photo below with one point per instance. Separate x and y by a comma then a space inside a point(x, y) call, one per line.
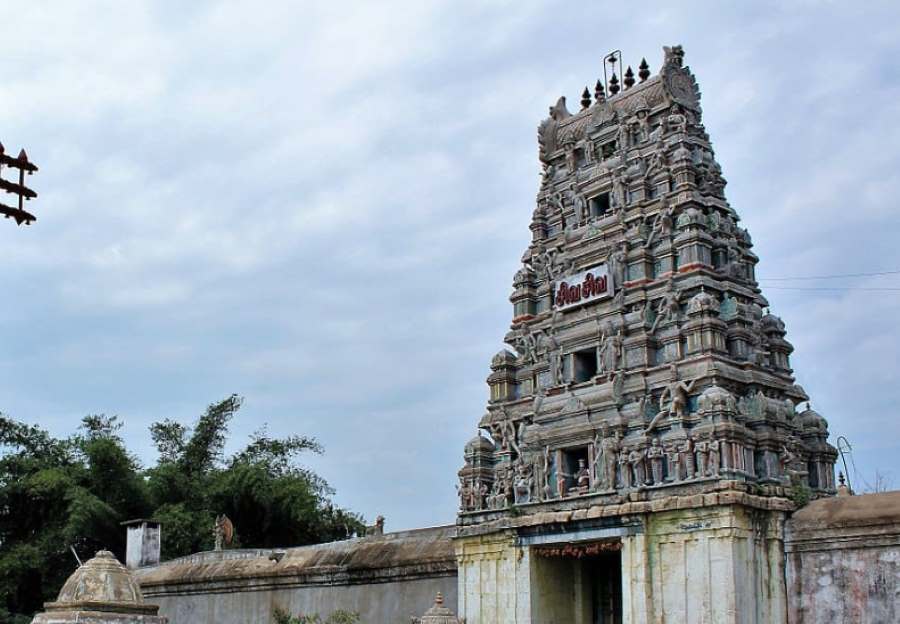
point(73, 493)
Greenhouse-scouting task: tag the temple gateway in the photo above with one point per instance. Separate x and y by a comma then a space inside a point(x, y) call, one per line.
point(645, 456)
point(646, 436)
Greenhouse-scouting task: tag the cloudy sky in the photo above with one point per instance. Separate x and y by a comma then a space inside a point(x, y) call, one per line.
point(320, 206)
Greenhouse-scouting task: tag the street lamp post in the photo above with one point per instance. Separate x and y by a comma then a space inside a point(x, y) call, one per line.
point(19, 189)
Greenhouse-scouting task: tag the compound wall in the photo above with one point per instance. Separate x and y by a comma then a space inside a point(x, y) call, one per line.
point(385, 579)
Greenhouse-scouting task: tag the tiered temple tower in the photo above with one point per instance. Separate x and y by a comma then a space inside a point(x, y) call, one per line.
point(648, 399)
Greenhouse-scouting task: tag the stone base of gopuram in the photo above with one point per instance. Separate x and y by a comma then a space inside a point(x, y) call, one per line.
point(715, 558)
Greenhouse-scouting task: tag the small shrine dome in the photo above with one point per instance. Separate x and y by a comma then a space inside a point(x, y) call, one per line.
point(716, 399)
point(524, 276)
point(503, 358)
point(811, 420)
point(101, 579)
point(703, 302)
point(691, 216)
point(438, 614)
point(101, 586)
point(770, 323)
point(682, 153)
point(479, 444)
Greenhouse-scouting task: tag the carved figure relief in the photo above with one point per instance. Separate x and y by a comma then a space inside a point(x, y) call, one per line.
point(663, 225)
point(606, 449)
point(687, 452)
point(582, 475)
point(547, 474)
point(624, 469)
point(611, 351)
point(714, 460)
point(618, 265)
point(669, 306)
point(636, 460)
point(674, 454)
point(656, 456)
point(702, 458)
point(524, 482)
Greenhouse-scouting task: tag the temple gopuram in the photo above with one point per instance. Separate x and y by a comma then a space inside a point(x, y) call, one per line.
point(645, 437)
point(646, 455)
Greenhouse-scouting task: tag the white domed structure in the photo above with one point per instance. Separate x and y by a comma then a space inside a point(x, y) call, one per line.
point(102, 591)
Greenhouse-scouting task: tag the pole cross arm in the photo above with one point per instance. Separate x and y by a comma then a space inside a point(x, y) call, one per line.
point(19, 189)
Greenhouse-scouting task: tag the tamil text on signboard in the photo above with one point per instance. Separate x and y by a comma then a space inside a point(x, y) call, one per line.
point(578, 289)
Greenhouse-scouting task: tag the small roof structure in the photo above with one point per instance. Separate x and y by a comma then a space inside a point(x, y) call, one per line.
point(102, 591)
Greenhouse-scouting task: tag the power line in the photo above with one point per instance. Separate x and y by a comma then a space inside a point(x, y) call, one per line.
point(836, 288)
point(818, 277)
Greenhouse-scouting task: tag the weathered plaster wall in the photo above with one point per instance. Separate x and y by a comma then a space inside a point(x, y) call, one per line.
point(494, 579)
point(556, 598)
point(714, 564)
point(843, 560)
point(376, 603)
point(722, 563)
point(385, 579)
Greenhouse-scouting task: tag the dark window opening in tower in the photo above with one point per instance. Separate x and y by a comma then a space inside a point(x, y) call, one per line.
point(608, 149)
point(584, 364)
point(599, 205)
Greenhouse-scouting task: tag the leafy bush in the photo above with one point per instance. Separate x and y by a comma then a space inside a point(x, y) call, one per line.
point(338, 617)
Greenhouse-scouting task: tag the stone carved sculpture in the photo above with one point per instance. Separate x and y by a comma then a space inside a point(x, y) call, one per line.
point(618, 190)
point(538, 401)
point(702, 458)
point(606, 453)
point(676, 393)
point(677, 120)
point(674, 455)
point(687, 452)
point(582, 475)
point(714, 459)
point(663, 225)
point(657, 162)
point(547, 472)
point(673, 400)
point(673, 56)
point(525, 345)
point(223, 532)
point(636, 461)
point(669, 307)
point(554, 353)
point(656, 455)
point(582, 211)
point(642, 121)
point(610, 355)
point(524, 482)
point(547, 131)
point(624, 469)
point(618, 266)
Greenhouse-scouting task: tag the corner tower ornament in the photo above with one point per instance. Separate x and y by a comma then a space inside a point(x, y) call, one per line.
point(649, 399)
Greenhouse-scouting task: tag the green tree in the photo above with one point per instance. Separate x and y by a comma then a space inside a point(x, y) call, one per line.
point(271, 500)
point(57, 494)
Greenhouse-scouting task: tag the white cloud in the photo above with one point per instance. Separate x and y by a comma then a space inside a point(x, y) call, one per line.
point(322, 208)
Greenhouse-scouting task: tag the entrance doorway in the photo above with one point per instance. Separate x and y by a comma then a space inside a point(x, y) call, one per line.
point(602, 580)
point(577, 584)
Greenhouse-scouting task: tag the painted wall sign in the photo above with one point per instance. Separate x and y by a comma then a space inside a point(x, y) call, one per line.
point(581, 288)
